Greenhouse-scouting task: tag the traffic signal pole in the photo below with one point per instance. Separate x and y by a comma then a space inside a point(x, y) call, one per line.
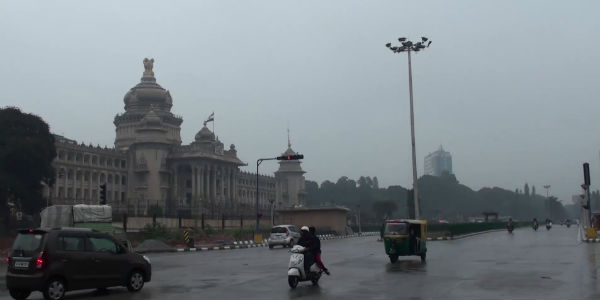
point(258, 162)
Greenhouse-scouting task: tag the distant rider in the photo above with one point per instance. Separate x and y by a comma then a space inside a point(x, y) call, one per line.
point(511, 224)
point(317, 250)
point(535, 223)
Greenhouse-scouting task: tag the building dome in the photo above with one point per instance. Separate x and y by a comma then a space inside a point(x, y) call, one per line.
point(205, 135)
point(148, 92)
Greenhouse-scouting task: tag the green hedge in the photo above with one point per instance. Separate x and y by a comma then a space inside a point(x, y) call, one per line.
point(464, 228)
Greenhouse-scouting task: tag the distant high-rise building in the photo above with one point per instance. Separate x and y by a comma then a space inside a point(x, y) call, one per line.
point(438, 162)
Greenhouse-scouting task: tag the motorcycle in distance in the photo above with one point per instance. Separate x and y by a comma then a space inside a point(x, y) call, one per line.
point(510, 227)
point(296, 271)
point(548, 224)
point(535, 225)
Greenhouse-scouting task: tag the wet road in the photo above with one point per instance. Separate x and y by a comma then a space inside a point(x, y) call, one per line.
point(526, 265)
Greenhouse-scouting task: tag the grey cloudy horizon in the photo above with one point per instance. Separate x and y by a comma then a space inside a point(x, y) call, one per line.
point(507, 87)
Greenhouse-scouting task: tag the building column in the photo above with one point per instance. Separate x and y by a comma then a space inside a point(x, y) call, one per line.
point(213, 182)
point(222, 187)
point(193, 179)
point(175, 185)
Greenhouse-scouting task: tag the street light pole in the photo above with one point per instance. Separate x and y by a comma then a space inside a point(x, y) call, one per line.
point(258, 162)
point(408, 46)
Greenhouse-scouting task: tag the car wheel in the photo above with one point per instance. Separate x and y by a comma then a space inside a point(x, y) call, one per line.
point(54, 290)
point(19, 294)
point(293, 281)
point(135, 282)
point(270, 246)
point(315, 281)
point(393, 258)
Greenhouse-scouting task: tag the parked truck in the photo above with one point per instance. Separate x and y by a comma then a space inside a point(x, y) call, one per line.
point(95, 217)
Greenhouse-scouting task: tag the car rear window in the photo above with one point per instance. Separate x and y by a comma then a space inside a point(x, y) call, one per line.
point(293, 229)
point(278, 230)
point(396, 228)
point(27, 243)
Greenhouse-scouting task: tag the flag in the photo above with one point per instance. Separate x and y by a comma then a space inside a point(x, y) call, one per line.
point(211, 118)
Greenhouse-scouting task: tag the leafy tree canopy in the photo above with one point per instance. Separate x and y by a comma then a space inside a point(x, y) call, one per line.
point(26, 154)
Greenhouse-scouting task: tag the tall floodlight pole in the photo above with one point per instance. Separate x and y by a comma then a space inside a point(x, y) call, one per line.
point(409, 46)
point(548, 205)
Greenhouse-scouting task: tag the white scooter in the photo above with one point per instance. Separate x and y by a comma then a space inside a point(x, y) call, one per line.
point(296, 268)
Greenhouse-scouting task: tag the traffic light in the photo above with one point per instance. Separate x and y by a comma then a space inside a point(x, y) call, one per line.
point(103, 194)
point(586, 174)
point(290, 157)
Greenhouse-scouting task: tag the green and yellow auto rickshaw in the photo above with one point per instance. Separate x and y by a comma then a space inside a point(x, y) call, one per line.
point(404, 238)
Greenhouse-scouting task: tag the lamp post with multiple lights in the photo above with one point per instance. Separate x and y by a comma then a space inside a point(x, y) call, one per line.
point(409, 46)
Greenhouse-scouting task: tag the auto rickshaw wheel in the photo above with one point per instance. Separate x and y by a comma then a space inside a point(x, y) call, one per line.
point(393, 258)
point(423, 257)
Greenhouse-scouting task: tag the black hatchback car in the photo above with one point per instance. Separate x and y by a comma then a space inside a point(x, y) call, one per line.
point(54, 261)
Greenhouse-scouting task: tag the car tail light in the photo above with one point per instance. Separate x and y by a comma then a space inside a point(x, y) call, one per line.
point(40, 260)
point(8, 260)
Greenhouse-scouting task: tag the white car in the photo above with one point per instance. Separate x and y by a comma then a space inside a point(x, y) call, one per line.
point(284, 235)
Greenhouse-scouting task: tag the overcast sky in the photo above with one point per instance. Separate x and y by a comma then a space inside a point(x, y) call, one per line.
point(510, 88)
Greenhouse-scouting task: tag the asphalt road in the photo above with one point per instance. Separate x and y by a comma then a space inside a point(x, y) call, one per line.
point(525, 265)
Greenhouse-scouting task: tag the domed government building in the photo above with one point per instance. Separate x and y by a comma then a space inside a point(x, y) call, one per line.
point(149, 168)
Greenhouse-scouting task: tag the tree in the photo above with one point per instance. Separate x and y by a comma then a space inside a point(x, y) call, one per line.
point(375, 182)
point(26, 153)
point(533, 191)
point(384, 208)
point(526, 189)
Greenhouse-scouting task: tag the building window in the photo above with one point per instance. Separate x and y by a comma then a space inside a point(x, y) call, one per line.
point(102, 178)
point(70, 174)
point(123, 180)
point(94, 160)
point(95, 177)
point(123, 164)
point(94, 194)
point(108, 196)
point(61, 155)
point(188, 198)
point(70, 156)
point(117, 179)
point(86, 176)
point(102, 161)
point(69, 193)
point(109, 162)
point(78, 157)
point(116, 197)
point(188, 184)
point(78, 176)
point(78, 194)
point(86, 159)
point(110, 178)
point(61, 192)
point(86, 194)
point(122, 196)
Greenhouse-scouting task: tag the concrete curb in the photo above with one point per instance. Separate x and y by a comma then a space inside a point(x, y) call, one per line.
point(251, 244)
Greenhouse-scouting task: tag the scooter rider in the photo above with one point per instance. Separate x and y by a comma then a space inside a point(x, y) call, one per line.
point(535, 223)
point(306, 240)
